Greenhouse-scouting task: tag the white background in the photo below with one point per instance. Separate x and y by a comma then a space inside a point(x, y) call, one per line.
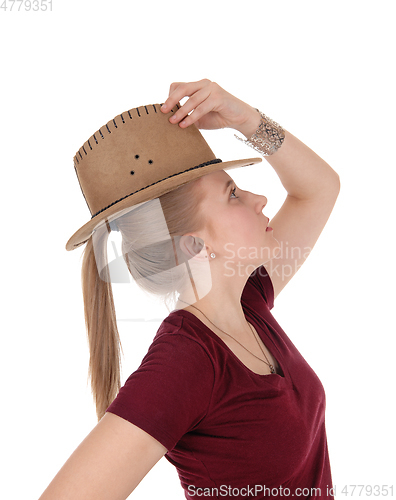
point(323, 70)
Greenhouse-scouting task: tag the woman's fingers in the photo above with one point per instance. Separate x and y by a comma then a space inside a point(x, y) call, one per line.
point(178, 90)
point(174, 86)
point(196, 105)
point(209, 106)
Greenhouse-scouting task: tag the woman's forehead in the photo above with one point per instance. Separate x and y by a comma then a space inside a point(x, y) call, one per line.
point(216, 180)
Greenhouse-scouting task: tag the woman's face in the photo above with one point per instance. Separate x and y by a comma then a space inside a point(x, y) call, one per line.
point(235, 225)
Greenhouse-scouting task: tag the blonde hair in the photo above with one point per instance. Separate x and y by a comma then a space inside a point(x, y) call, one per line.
point(181, 209)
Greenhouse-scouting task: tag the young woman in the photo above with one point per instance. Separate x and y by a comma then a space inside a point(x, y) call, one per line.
point(222, 392)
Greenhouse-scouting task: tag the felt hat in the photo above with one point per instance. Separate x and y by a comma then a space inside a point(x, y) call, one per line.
point(136, 157)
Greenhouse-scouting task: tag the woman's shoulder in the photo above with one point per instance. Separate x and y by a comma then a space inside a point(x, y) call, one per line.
point(181, 331)
point(259, 287)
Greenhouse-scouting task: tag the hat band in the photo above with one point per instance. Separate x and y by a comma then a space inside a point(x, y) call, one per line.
point(211, 162)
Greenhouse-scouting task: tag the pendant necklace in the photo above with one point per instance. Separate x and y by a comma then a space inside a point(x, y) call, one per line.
point(271, 367)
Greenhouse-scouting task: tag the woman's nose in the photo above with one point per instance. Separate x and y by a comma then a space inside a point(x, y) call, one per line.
point(261, 202)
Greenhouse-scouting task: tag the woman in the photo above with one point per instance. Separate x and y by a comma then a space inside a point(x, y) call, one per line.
point(222, 392)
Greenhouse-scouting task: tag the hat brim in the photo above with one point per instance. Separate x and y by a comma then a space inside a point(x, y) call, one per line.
point(169, 184)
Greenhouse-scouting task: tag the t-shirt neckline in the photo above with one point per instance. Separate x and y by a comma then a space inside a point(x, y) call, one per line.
point(234, 356)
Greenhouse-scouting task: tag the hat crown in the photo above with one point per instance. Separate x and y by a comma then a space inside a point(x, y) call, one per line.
point(136, 157)
point(139, 148)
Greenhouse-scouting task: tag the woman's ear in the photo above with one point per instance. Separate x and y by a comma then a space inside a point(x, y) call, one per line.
point(193, 246)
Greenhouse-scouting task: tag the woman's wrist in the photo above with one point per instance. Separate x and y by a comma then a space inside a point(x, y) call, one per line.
point(251, 124)
point(267, 138)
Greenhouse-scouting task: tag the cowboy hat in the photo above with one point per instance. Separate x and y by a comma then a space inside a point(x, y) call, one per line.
point(136, 157)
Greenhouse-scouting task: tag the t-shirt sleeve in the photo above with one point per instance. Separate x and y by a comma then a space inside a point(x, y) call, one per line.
point(169, 394)
point(261, 282)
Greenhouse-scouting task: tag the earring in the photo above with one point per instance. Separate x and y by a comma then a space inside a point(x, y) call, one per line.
point(212, 255)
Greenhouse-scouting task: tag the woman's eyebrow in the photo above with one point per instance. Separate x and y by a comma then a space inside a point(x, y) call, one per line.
point(227, 185)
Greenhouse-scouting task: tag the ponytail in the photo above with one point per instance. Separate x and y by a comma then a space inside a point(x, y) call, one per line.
point(102, 332)
point(181, 208)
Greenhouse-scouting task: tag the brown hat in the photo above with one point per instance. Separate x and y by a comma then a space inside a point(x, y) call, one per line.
point(136, 157)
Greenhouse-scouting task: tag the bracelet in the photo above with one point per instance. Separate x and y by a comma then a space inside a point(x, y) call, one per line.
point(268, 138)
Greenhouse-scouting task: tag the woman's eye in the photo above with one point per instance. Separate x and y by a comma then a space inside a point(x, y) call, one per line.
point(233, 192)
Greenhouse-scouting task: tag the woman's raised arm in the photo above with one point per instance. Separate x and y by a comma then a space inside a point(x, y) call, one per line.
point(312, 185)
point(109, 463)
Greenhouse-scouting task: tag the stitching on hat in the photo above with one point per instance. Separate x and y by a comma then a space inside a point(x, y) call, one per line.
point(117, 201)
point(211, 162)
point(115, 124)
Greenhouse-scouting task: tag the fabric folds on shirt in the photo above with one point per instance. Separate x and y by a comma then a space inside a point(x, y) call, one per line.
point(232, 433)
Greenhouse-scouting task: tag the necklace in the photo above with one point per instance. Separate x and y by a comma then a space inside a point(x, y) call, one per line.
point(271, 367)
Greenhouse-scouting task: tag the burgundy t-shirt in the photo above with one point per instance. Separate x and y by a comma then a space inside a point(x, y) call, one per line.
point(228, 430)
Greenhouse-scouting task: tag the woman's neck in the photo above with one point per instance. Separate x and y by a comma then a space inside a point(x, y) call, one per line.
point(228, 317)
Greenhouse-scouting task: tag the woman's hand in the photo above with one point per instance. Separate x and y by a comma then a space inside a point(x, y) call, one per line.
point(212, 108)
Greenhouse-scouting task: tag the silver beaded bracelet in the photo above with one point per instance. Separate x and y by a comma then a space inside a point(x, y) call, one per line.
point(268, 138)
